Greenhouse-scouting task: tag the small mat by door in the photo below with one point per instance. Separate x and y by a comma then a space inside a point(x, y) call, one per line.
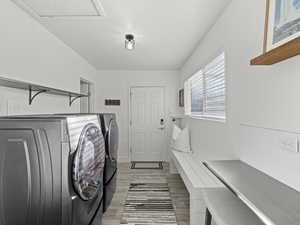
point(148, 204)
point(147, 165)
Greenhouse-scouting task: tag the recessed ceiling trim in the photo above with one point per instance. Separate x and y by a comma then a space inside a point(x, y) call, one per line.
point(99, 11)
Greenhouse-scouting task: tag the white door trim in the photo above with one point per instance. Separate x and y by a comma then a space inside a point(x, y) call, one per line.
point(91, 100)
point(129, 117)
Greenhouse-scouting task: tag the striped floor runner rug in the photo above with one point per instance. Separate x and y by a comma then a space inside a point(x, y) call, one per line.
point(148, 204)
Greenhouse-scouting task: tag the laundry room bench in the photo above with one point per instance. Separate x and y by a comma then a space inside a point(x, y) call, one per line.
point(196, 178)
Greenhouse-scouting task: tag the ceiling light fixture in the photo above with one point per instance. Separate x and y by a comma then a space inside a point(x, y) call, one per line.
point(129, 42)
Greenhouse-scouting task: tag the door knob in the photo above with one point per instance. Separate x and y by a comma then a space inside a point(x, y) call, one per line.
point(162, 121)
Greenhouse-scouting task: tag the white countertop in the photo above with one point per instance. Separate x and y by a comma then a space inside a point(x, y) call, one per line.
point(272, 201)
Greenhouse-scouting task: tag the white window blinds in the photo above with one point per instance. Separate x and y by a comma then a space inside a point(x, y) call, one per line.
point(187, 98)
point(197, 93)
point(206, 90)
point(215, 87)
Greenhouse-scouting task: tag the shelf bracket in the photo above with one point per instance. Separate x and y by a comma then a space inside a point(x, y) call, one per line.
point(73, 99)
point(33, 95)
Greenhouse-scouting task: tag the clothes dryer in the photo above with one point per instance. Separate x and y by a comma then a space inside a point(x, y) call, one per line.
point(110, 131)
point(51, 170)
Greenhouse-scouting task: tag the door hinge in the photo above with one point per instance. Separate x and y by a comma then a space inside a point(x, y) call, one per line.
point(130, 122)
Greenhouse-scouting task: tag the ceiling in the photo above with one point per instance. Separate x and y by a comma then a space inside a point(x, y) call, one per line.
point(166, 31)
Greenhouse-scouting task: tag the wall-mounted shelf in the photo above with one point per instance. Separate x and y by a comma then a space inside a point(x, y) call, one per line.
point(279, 54)
point(35, 90)
point(176, 117)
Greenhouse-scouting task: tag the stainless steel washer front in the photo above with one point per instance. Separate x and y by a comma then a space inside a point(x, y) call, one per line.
point(89, 162)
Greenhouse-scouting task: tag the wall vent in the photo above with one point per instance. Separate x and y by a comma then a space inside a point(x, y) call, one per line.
point(112, 102)
point(62, 8)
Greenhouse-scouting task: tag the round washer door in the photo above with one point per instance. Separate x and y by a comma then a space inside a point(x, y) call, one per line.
point(113, 139)
point(89, 162)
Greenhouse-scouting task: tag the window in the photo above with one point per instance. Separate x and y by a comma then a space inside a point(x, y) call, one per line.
point(205, 91)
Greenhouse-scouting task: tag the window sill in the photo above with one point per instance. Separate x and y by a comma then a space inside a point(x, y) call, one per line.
point(208, 118)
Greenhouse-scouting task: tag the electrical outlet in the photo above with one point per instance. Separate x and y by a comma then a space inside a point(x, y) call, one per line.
point(289, 144)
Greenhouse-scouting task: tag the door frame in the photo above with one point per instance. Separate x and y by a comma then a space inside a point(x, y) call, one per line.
point(130, 153)
point(91, 93)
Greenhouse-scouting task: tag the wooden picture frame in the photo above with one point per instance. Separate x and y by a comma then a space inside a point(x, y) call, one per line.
point(181, 98)
point(283, 49)
point(282, 23)
point(266, 26)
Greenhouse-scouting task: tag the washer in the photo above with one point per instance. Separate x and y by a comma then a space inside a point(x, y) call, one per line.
point(110, 131)
point(51, 170)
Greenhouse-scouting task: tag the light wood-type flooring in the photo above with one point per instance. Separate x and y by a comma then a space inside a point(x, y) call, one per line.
point(179, 194)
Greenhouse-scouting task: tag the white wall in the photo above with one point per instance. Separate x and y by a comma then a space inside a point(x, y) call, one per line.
point(265, 96)
point(262, 96)
point(116, 85)
point(29, 52)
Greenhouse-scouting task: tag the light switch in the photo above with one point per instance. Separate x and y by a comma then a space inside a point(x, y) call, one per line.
point(289, 144)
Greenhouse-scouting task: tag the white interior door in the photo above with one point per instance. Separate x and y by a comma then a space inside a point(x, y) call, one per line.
point(148, 139)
